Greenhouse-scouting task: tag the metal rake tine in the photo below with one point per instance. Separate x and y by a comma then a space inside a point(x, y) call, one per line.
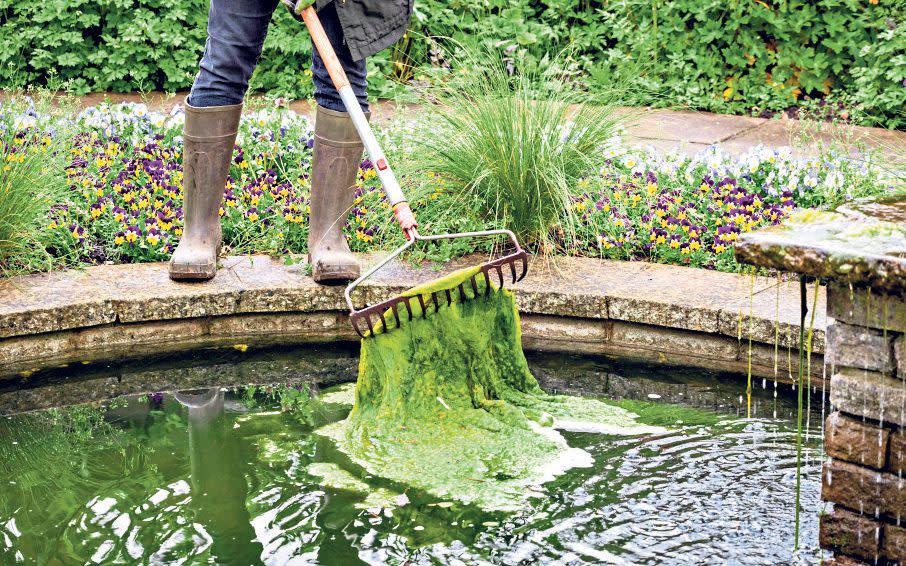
point(394, 306)
point(462, 293)
point(355, 324)
point(408, 307)
point(421, 302)
point(383, 322)
point(370, 326)
point(499, 274)
point(487, 280)
point(474, 285)
point(436, 302)
point(449, 297)
point(524, 259)
point(512, 265)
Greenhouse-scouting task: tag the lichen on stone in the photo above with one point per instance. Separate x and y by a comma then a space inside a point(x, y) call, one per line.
point(446, 404)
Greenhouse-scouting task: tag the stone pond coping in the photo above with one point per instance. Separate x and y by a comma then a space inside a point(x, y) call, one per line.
point(660, 313)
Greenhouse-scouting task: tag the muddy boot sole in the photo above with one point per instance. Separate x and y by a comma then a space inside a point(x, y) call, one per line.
point(192, 273)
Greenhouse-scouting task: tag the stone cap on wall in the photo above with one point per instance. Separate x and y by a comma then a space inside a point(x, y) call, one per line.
point(668, 296)
point(863, 244)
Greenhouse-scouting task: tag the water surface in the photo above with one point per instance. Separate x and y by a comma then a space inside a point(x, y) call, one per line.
point(220, 474)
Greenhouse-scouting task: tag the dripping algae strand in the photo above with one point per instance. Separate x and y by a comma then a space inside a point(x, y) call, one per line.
point(803, 311)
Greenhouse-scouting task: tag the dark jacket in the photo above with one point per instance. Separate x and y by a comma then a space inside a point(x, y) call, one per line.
point(371, 25)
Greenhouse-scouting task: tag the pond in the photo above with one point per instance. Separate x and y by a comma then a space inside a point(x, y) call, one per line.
point(224, 473)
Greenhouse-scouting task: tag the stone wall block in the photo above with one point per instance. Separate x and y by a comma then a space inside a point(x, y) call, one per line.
point(893, 544)
point(557, 333)
point(864, 308)
point(860, 347)
point(897, 458)
point(686, 345)
point(863, 490)
point(854, 441)
point(850, 533)
point(56, 318)
point(869, 394)
point(317, 325)
point(634, 309)
point(787, 363)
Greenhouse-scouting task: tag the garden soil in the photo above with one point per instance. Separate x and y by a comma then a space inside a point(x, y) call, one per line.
point(446, 404)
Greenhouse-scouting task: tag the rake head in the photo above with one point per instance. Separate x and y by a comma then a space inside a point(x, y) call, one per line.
point(374, 319)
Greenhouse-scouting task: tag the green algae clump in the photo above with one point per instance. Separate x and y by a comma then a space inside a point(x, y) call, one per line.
point(446, 404)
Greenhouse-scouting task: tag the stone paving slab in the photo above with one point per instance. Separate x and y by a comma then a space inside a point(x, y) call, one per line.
point(52, 301)
point(684, 148)
point(808, 138)
point(688, 126)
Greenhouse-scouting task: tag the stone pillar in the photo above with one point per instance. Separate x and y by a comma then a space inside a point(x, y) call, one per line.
point(865, 438)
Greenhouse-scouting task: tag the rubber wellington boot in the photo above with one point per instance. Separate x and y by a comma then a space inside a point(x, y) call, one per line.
point(337, 155)
point(208, 138)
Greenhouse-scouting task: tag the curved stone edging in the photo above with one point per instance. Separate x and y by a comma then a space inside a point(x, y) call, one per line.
point(658, 313)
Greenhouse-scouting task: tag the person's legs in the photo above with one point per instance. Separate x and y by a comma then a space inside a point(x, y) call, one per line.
point(325, 94)
point(337, 155)
point(236, 31)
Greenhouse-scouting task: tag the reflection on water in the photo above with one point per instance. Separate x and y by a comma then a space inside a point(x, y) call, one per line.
point(218, 487)
point(215, 476)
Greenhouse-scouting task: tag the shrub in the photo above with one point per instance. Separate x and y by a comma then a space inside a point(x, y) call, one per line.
point(737, 57)
point(741, 57)
point(880, 78)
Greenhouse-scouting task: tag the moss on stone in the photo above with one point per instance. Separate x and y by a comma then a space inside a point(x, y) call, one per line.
point(447, 404)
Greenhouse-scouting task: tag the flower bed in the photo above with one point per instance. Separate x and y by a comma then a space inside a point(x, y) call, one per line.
point(124, 197)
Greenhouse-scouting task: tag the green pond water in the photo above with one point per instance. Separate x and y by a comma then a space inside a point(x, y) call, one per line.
point(236, 475)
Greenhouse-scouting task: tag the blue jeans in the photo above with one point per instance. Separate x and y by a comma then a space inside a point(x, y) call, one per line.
point(236, 32)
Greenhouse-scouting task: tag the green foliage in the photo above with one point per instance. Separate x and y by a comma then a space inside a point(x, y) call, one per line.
point(880, 77)
point(737, 56)
point(511, 147)
point(119, 45)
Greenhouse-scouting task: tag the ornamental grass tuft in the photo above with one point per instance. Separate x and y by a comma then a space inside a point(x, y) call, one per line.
point(511, 145)
point(35, 152)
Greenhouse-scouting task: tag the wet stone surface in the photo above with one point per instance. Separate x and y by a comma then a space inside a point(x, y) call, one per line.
point(859, 347)
point(852, 440)
point(865, 307)
point(849, 246)
point(894, 545)
point(874, 493)
point(899, 350)
point(869, 394)
point(850, 533)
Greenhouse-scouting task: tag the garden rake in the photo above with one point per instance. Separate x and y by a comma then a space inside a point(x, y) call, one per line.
point(365, 320)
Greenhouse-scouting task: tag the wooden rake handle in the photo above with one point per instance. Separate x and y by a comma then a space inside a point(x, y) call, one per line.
point(400, 206)
point(325, 49)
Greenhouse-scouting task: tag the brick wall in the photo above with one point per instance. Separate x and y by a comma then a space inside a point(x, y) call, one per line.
point(865, 438)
